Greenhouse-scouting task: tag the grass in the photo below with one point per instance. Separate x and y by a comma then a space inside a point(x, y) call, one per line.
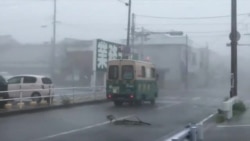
point(65, 100)
point(220, 118)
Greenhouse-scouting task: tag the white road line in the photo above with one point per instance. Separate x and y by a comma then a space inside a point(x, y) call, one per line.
point(206, 119)
point(167, 106)
point(232, 126)
point(168, 101)
point(79, 129)
point(196, 98)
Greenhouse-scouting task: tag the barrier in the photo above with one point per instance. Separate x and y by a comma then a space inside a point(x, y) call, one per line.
point(73, 94)
point(227, 107)
point(191, 133)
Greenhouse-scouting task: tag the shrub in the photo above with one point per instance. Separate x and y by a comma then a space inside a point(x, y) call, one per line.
point(239, 108)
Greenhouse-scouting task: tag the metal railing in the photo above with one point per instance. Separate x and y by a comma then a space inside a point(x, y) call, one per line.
point(191, 133)
point(72, 94)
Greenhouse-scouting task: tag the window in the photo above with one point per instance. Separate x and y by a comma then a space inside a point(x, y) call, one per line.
point(46, 80)
point(143, 71)
point(15, 80)
point(127, 72)
point(152, 72)
point(113, 72)
point(29, 79)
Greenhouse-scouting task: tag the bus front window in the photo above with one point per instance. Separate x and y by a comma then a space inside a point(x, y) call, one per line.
point(113, 72)
point(127, 72)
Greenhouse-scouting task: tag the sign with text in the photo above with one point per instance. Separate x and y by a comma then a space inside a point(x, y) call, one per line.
point(106, 51)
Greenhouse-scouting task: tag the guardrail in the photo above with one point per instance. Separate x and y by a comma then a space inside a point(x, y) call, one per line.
point(57, 96)
point(191, 133)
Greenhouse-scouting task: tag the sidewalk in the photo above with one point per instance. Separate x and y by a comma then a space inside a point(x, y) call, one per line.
point(236, 130)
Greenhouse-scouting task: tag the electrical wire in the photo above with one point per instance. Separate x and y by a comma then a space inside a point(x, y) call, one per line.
point(186, 24)
point(190, 18)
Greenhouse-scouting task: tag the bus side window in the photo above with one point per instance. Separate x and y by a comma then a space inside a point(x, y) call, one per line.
point(143, 71)
point(113, 72)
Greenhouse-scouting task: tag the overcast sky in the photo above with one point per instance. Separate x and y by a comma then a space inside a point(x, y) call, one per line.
point(107, 19)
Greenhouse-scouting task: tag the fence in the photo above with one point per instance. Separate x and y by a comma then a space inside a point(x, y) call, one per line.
point(56, 96)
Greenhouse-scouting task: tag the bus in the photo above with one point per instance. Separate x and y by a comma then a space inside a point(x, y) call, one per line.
point(131, 81)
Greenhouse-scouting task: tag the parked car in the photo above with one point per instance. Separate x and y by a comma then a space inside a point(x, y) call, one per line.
point(34, 86)
point(3, 89)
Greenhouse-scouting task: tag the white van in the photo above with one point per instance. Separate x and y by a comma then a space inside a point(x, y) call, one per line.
point(31, 86)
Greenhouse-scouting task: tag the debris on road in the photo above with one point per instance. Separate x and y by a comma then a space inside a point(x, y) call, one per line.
point(138, 121)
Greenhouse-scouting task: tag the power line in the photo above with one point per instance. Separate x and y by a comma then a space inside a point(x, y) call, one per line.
point(185, 24)
point(190, 18)
point(121, 1)
point(207, 32)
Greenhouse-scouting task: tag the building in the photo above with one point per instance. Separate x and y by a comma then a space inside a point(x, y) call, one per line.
point(17, 58)
point(176, 58)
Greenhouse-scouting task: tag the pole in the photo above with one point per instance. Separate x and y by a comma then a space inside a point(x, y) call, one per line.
point(128, 28)
point(53, 40)
point(142, 43)
point(207, 64)
point(133, 30)
point(233, 90)
point(187, 61)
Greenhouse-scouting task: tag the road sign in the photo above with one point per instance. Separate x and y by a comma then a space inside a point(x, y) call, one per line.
point(238, 36)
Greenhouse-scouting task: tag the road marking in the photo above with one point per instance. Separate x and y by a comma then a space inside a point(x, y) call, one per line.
point(232, 126)
point(206, 119)
point(196, 98)
point(167, 101)
point(167, 106)
point(79, 129)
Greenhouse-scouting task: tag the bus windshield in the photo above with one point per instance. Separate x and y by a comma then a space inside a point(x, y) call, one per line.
point(127, 72)
point(113, 72)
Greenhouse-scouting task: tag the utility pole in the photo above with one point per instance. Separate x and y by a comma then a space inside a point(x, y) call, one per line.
point(207, 64)
point(53, 52)
point(128, 28)
point(234, 42)
point(133, 31)
point(142, 42)
point(187, 63)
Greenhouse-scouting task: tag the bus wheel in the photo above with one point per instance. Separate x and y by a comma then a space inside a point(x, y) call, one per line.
point(118, 103)
point(152, 102)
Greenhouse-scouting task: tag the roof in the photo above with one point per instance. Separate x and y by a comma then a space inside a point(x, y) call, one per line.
point(30, 75)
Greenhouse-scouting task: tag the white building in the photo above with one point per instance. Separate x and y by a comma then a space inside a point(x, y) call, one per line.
point(171, 54)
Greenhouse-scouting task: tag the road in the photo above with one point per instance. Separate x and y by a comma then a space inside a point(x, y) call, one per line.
point(172, 112)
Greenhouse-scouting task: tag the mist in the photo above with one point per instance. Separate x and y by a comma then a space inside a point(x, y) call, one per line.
point(28, 24)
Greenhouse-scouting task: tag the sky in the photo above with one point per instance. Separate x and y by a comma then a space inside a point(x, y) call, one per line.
point(30, 21)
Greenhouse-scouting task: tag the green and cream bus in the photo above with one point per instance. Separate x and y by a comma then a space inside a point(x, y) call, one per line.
point(131, 81)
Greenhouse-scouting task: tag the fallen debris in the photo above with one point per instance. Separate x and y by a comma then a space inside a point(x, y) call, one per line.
point(138, 121)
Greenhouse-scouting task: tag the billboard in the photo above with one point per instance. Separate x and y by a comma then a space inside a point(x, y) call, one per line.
point(106, 51)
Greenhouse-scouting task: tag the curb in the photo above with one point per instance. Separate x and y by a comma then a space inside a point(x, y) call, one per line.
point(47, 108)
